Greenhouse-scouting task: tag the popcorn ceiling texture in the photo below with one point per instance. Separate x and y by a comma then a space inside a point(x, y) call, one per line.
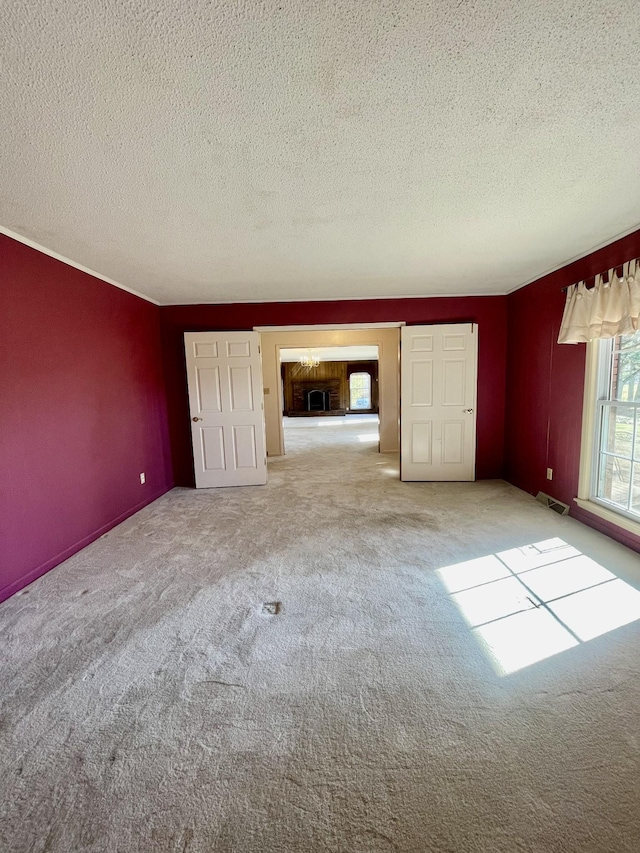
point(217, 151)
point(152, 704)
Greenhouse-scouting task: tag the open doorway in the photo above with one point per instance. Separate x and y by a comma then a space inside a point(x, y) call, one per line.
point(385, 337)
point(325, 389)
point(329, 381)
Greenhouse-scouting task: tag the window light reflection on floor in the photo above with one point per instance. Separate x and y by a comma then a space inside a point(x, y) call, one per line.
point(530, 603)
point(368, 436)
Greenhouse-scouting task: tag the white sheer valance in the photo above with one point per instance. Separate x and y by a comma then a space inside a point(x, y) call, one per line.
point(610, 308)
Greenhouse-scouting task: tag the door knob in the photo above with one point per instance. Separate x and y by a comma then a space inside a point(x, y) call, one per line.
point(466, 411)
point(196, 419)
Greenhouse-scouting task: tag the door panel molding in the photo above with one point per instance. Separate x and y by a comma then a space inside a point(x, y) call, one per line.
point(438, 390)
point(224, 383)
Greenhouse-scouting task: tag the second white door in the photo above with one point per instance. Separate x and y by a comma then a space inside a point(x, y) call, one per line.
point(224, 378)
point(438, 379)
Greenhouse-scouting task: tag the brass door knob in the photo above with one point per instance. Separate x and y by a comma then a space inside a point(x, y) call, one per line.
point(196, 419)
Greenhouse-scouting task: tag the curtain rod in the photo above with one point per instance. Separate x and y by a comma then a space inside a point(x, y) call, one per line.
point(617, 266)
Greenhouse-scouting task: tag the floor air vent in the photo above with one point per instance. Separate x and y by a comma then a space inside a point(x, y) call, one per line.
point(552, 503)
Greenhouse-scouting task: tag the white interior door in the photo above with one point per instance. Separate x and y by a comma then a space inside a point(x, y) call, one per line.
point(224, 378)
point(438, 380)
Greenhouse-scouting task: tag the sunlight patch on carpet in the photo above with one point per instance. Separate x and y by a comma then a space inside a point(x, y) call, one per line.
point(529, 603)
point(368, 436)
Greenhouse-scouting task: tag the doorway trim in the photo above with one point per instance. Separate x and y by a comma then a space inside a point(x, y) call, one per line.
point(386, 336)
point(328, 327)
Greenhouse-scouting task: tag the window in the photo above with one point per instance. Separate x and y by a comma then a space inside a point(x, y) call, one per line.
point(610, 463)
point(360, 391)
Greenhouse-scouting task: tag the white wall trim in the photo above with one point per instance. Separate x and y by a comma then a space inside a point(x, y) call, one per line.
point(329, 327)
point(33, 245)
point(588, 422)
point(609, 515)
point(588, 448)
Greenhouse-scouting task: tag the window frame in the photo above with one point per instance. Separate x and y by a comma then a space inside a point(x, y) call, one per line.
point(361, 373)
point(595, 379)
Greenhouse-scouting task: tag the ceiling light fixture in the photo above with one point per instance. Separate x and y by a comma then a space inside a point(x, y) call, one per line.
point(309, 361)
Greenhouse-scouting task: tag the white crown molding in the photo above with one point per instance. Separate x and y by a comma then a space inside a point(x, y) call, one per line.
point(33, 245)
point(333, 299)
point(58, 257)
point(579, 257)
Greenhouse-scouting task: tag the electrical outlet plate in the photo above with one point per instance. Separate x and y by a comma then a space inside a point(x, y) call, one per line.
point(549, 473)
point(142, 479)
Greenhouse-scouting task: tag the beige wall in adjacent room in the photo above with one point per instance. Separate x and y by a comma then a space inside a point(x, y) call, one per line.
point(388, 343)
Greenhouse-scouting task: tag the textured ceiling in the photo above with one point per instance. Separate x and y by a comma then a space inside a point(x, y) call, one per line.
point(250, 150)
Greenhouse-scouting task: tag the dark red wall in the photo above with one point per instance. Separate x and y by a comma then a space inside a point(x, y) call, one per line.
point(488, 311)
point(82, 411)
point(83, 408)
point(545, 386)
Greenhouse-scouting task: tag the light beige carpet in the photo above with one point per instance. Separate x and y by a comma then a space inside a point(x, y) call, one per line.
point(152, 702)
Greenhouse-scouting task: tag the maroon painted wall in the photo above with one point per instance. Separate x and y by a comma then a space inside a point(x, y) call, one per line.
point(488, 311)
point(82, 411)
point(545, 386)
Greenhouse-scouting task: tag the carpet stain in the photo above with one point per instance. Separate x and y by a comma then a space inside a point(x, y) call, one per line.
point(413, 520)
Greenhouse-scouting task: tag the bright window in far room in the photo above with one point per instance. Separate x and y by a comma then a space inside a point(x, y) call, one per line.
point(615, 463)
point(359, 391)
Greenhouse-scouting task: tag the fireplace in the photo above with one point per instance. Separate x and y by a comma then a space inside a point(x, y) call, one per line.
point(317, 400)
point(313, 398)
